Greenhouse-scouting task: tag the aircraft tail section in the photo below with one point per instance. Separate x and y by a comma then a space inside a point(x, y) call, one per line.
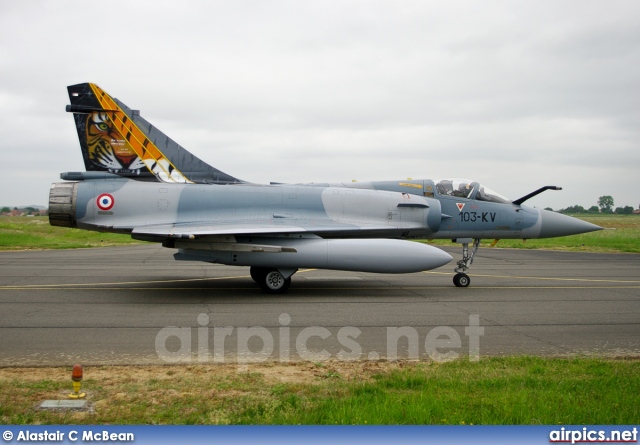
point(116, 139)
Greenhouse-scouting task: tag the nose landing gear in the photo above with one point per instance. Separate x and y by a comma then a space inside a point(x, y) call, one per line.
point(461, 279)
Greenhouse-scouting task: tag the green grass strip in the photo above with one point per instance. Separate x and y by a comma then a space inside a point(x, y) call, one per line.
point(501, 391)
point(25, 233)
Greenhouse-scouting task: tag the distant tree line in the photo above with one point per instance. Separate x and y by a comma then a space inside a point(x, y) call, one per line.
point(20, 211)
point(605, 205)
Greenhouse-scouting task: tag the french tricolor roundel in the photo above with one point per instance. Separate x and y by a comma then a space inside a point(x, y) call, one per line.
point(105, 201)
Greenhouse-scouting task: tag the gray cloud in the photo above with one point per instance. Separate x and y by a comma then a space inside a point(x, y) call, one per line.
point(517, 95)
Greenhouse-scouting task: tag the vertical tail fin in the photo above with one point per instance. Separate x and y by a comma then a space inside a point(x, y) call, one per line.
point(117, 139)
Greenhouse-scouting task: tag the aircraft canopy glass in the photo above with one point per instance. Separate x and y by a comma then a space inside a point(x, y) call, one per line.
point(465, 188)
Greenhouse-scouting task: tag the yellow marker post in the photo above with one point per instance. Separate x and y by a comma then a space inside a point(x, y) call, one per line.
point(76, 376)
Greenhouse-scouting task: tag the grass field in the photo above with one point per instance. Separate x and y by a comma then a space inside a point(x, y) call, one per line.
point(516, 390)
point(625, 236)
point(24, 233)
point(20, 233)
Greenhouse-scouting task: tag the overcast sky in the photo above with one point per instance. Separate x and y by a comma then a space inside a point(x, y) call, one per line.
point(516, 95)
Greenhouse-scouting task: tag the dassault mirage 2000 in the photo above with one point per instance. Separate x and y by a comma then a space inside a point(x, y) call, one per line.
point(140, 182)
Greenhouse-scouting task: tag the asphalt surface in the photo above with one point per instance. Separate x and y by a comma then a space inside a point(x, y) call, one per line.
point(136, 305)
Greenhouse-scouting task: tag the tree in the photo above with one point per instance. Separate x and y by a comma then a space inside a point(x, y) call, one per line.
point(5, 210)
point(574, 209)
point(605, 203)
point(626, 210)
point(593, 209)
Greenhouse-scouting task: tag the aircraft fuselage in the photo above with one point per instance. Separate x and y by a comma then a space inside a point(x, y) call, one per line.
point(140, 182)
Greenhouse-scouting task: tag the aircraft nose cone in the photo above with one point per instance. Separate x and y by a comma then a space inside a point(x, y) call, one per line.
point(556, 224)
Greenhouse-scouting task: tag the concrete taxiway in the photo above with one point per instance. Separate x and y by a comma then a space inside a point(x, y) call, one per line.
point(136, 305)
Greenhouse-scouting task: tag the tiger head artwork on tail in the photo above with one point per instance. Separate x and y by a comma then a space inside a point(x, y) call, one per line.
point(107, 149)
point(116, 139)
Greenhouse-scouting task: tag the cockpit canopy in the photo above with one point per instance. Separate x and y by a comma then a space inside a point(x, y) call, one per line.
point(465, 188)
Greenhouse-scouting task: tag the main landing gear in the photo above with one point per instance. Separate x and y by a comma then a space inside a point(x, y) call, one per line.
point(461, 279)
point(272, 281)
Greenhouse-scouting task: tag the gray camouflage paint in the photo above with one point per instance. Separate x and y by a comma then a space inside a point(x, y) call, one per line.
point(211, 216)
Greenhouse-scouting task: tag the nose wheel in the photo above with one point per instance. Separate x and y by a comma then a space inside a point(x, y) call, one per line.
point(461, 279)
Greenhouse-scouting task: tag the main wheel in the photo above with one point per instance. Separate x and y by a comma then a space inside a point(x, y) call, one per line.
point(275, 283)
point(461, 280)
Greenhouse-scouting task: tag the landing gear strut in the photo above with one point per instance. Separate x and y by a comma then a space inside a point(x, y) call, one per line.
point(461, 279)
point(270, 280)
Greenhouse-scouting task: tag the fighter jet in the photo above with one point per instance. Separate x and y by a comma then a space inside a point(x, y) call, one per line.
point(140, 182)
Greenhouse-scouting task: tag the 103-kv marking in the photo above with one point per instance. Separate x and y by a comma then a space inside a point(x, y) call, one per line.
point(478, 216)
